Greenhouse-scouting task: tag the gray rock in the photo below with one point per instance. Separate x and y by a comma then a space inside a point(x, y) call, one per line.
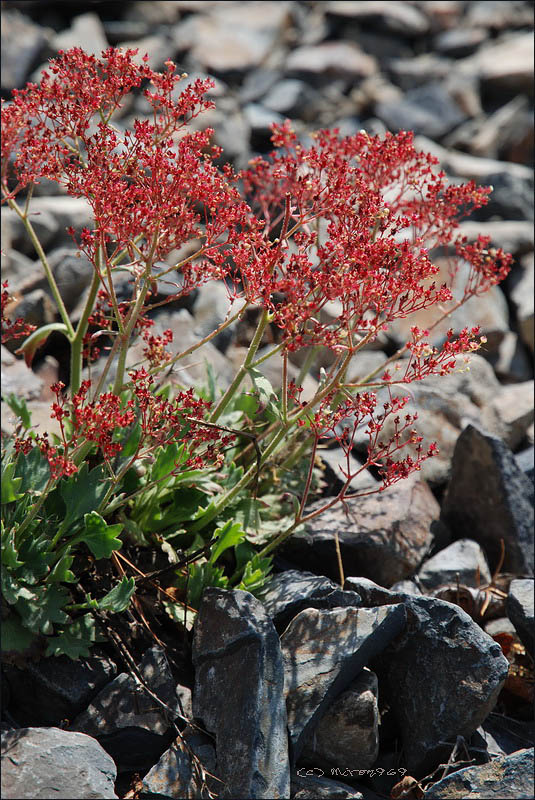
point(428, 110)
point(500, 625)
point(522, 297)
point(17, 378)
point(399, 18)
point(514, 236)
point(508, 735)
point(313, 786)
point(520, 602)
point(324, 651)
point(40, 763)
point(489, 498)
point(22, 44)
point(44, 224)
point(287, 593)
point(175, 774)
point(348, 733)
point(459, 42)
point(514, 405)
point(331, 59)
point(511, 198)
point(212, 306)
point(291, 98)
point(505, 64)
point(384, 535)
point(72, 273)
point(464, 560)
point(235, 637)
point(86, 31)
point(54, 689)
point(504, 778)
point(441, 678)
point(123, 703)
point(526, 461)
point(334, 460)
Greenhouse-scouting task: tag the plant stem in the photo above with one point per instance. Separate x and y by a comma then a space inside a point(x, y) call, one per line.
point(78, 339)
point(247, 363)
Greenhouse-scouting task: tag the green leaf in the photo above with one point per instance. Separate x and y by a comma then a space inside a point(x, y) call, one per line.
point(34, 471)
point(41, 607)
point(11, 586)
point(118, 599)
point(100, 537)
point(9, 549)
point(201, 576)
point(262, 386)
point(82, 493)
point(131, 443)
point(10, 485)
point(14, 636)
point(75, 640)
point(247, 403)
point(36, 555)
point(167, 460)
point(19, 407)
point(255, 574)
point(38, 338)
point(61, 572)
point(229, 535)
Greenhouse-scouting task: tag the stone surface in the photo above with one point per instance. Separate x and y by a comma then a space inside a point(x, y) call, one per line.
point(463, 560)
point(522, 297)
point(22, 44)
point(441, 678)
point(54, 689)
point(520, 602)
point(385, 535)
point(86, 31)
point(40, 763)
point(514, 405)
point(504, 65)
point(175, 775)
point(428, 110)
point(401, 18)
point(234, 636)
point(339, 59)
point(348, 733)
point(313, 786)
point(489, 498)
point(506, 778)
point(17, 378)
point(120, 704)
point(286, 594)
point(324, 651)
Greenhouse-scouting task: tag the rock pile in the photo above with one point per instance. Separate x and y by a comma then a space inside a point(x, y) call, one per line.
point(318, 689)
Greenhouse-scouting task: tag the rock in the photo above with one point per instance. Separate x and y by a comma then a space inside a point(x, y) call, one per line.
point(314, 787)
point(413, 72)
point(385, 535)
point(17, 378)
point(348, 733)
point(491, 136)
point(500, 625)
point(489, 498)
point(291, 98)
point(522, 297)
point(234, 636)
point(399, 18)
point(507, 355)
point(72, 273)
point(260, 120)
point(39, 763)
point(464, 560)
point(441, 678)
point(134, 749)
point(86, 31)
point(131, 707)
point(35, 308)
point(525, 461)
point(514, 406)
point(286, 594)
point(514, 236)
point(331, 59)
point(427, 110)
point(511, 198)
point(504, 778)
point(324, 651)
point(22, 45)
point(499, 14)
point(54, 689)
point(509, 735)
point(520, 601)
point(458, 43)
point(471, 167)
point(335, 460)
point(155, 46)
point(232, 38)
point(175, 775)
point(506, 64)
point(212, 306)
point(44, 224)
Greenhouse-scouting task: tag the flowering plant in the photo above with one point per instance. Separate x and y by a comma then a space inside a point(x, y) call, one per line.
point(346, 221)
